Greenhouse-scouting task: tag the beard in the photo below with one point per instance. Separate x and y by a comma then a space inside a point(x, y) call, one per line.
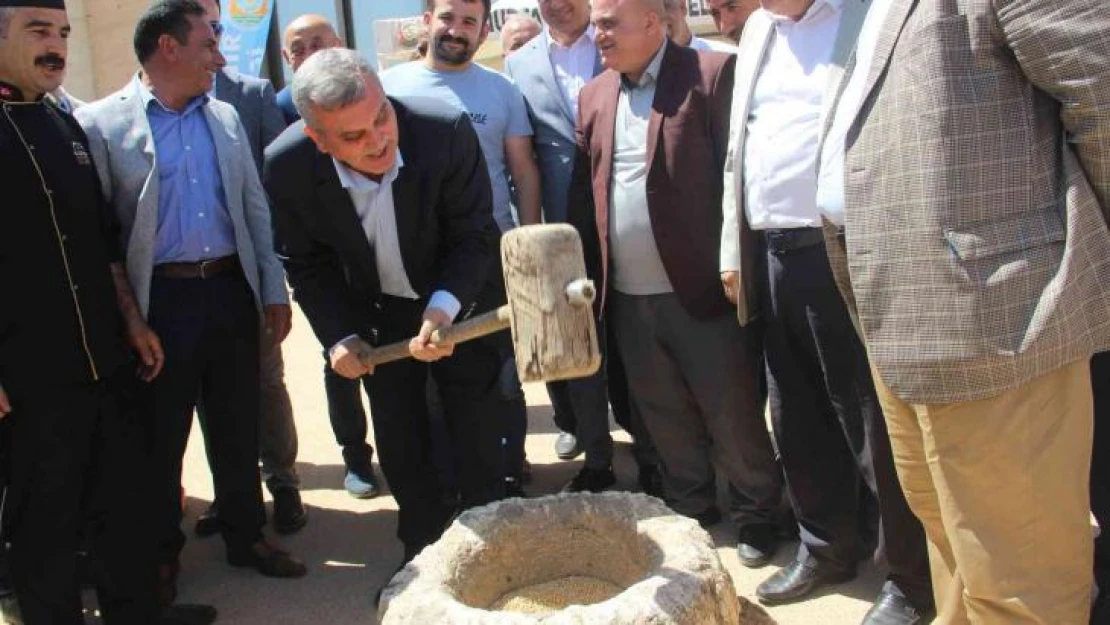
point(453, 57)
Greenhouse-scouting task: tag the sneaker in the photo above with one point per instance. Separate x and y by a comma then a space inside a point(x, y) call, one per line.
point(566, 446)
point(591, 480)
point(361, 484)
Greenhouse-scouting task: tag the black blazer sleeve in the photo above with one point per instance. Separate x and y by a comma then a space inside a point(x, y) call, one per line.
point(469, 236)
point(313, 268)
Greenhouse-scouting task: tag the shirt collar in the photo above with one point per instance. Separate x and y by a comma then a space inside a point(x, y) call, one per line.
point(814, 11)
point(358, 183)
point(146, 96)
point(651, 74)
point(587, 37)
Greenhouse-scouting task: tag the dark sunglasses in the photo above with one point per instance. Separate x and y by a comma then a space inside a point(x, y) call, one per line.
point(217, 28)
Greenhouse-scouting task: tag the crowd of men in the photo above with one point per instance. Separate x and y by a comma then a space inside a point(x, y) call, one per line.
point(886, 220)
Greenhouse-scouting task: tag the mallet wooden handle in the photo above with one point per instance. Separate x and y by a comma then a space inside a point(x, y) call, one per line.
point(472, 328)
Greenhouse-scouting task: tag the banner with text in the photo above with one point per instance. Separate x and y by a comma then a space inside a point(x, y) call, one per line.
point(246, 28)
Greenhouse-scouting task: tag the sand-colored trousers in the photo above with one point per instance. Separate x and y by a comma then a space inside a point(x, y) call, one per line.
point(1001, 486)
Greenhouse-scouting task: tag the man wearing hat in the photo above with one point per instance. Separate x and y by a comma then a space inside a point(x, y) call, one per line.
point(68, 455)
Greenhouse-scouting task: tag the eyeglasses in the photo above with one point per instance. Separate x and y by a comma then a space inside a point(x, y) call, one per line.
point(217, 28)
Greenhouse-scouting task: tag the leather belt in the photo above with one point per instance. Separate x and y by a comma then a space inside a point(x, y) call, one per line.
point(202, 269)
point(789, 239)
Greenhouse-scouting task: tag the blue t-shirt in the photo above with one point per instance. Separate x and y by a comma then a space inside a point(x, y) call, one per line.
point(495, 107)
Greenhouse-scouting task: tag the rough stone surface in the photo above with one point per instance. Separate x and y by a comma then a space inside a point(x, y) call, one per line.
point(665, 562)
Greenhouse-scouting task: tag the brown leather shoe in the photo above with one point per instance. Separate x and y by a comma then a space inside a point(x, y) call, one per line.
point(267, 560)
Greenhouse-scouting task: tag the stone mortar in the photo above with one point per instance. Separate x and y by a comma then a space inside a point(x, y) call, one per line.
point(665, 562)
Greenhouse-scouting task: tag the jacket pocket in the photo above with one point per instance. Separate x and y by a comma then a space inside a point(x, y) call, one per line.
point(1010, 234)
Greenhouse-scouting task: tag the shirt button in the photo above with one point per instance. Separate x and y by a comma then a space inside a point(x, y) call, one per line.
point(75, 288)
point(207, 249)
point(187, 148)
point(200, 214)
point(194, 180)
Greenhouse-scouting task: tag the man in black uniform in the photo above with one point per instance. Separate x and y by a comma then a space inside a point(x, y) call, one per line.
point(71, 460)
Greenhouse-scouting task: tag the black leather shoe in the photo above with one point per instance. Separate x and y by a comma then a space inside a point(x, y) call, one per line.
point(514, 489)
point(892, 609)
point(267, 560)
point(188, 614)
point(167, 583)
point(757, 544)
point(566, 446)
point(651, 481)
point(289, 512)
point(208, 523)
point(591, 480)
point(799, 580)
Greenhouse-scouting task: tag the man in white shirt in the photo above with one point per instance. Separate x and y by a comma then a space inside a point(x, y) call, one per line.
point(382, 218)
point(827, 420)
point(551, 70)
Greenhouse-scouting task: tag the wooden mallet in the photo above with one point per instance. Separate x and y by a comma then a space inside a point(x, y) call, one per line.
point(550, 308)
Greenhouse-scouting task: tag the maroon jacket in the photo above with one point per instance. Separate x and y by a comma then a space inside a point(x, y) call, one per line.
point(687, 139)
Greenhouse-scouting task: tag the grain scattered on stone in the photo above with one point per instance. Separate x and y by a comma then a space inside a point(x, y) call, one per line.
point(557, 594)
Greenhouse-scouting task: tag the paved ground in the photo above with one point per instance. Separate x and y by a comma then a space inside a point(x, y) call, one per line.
point(349, 544)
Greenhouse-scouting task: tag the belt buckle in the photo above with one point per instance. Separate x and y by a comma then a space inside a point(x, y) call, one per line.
point(203, 265)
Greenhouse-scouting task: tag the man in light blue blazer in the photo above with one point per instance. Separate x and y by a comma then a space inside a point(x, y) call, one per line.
point(177, 167)
point(550, 70)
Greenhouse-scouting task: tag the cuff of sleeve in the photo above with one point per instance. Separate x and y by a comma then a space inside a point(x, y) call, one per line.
point(331, 350)
point(446, 302)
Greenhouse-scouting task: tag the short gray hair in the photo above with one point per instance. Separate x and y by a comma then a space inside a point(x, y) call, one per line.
point(330, 79)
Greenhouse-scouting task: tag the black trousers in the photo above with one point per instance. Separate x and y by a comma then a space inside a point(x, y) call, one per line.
point(210, 331)
point(828, 424)
point(1100, 466)
point(77, 470)
point(468, 383)
point(348, 418)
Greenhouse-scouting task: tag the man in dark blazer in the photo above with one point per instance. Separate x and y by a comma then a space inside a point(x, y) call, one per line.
point(383, 217)
point(651, 136)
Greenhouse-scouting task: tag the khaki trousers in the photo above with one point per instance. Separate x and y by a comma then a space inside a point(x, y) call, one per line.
point(1001, 486)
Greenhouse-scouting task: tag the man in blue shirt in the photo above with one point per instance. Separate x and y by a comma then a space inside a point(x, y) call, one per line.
point(175, 166)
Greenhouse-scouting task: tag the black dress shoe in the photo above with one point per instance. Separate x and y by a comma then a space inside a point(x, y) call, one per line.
point(267, 560)
point(208, 523)
point(289, 512)
point(799, 580)
point(188, 614)
point(591, 480)
point(167, 583)
point(892, 609)
point(651, 481)
point(756, 544)
point(513, 488)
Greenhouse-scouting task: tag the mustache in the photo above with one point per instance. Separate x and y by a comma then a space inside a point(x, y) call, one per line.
point(458, 40)
point(51, 61)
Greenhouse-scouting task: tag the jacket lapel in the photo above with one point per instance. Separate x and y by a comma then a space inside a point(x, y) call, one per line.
point(407, 214)
point(542, 61)
point(753, 50)
point(335, 203)
point(223, 154)
point(851, 20)
point(899, 12)
point(605, 127)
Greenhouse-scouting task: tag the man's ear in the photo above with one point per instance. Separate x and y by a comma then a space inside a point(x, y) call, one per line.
point(316, 138)
point(169, 46)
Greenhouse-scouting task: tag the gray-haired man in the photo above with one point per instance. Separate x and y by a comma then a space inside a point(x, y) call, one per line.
point(410, 172)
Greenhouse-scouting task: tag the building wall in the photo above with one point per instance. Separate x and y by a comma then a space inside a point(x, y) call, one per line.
point(101, 56)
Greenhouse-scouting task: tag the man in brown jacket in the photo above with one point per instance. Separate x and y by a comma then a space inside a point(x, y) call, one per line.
point(652, 132)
